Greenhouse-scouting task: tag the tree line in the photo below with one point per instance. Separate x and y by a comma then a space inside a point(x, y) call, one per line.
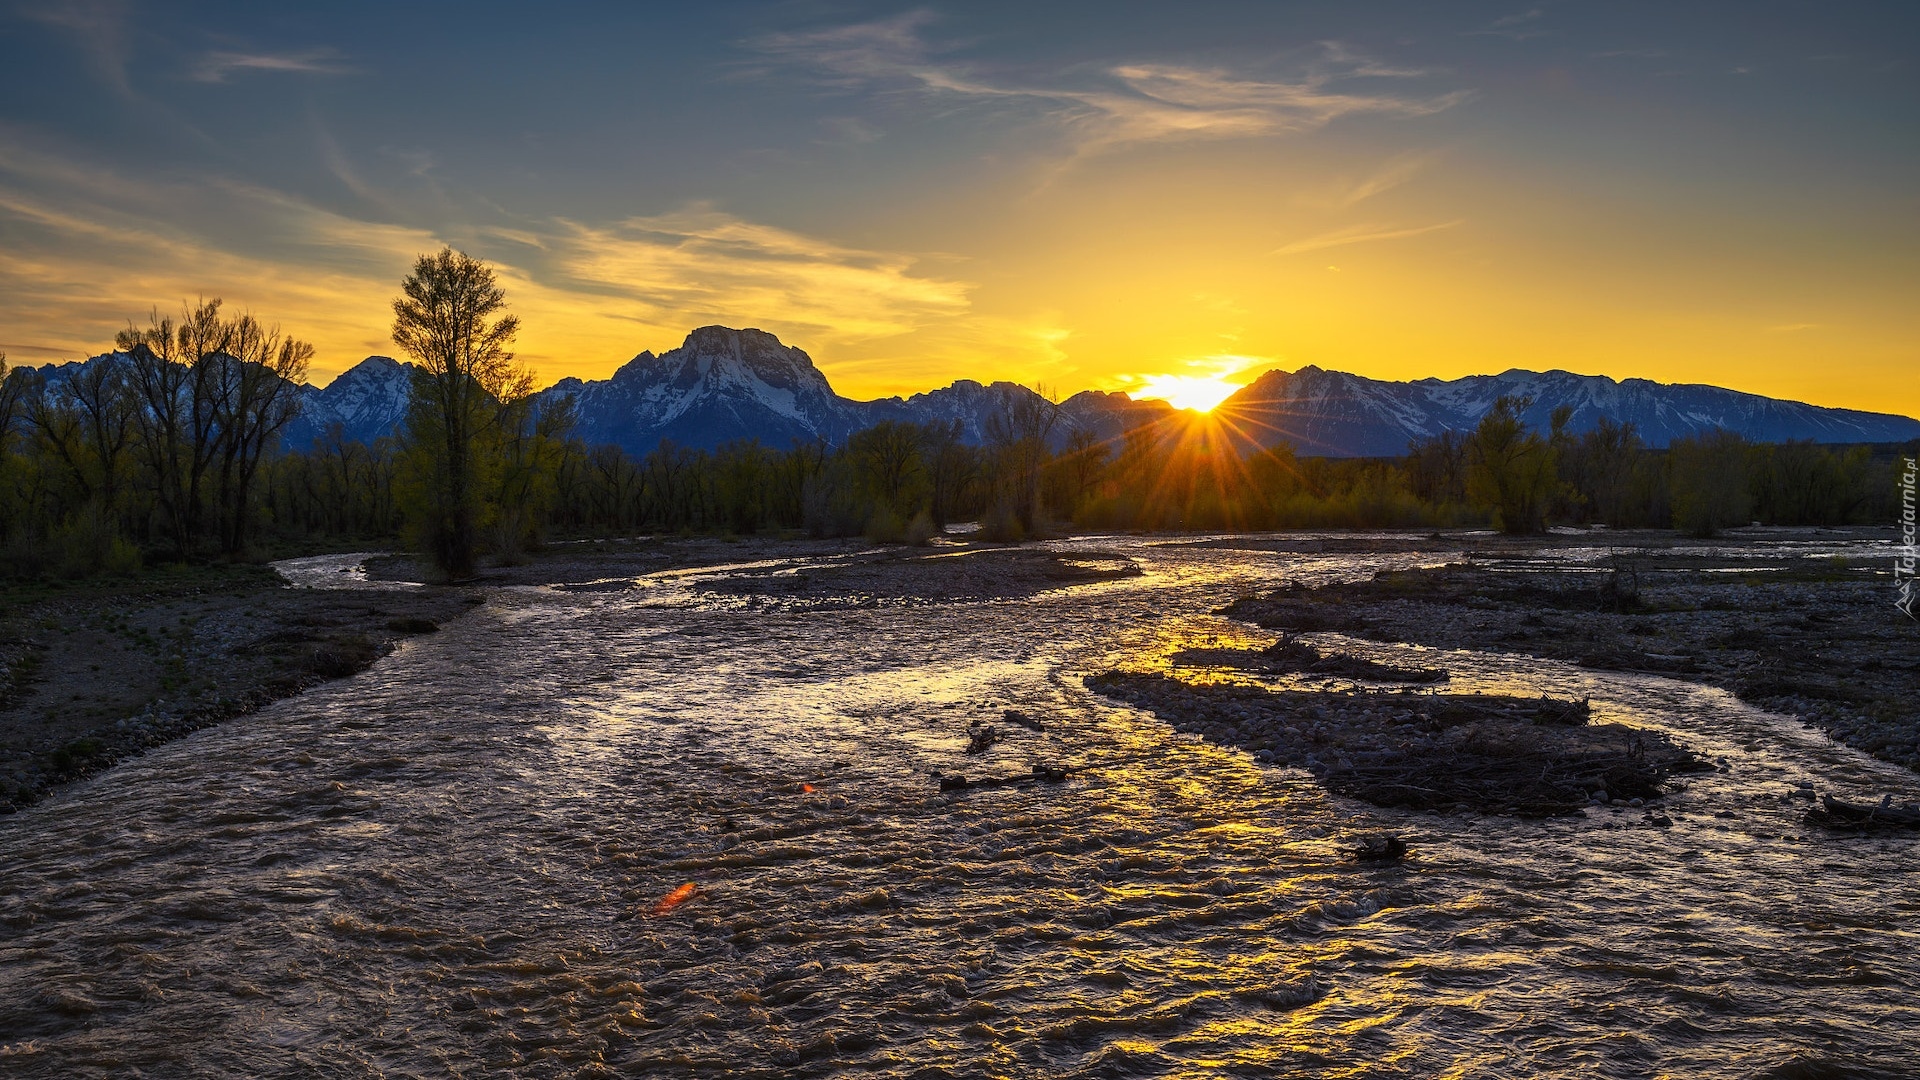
point(157, 446)
point(169, 449)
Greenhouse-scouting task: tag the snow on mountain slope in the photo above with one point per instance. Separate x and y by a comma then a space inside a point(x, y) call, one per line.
point(723, 384)
point(720, 384)
point(368, 401)
point(1341, 415)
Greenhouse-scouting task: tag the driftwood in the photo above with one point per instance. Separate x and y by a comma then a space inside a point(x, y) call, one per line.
point(1291, 656)
point(1386, 848)
point(981, 738)
point(1846, 815)
point(1041, 774)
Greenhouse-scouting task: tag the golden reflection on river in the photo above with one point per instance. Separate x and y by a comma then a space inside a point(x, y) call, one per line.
point(461, 863)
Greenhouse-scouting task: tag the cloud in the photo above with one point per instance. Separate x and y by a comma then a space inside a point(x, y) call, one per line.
point(215, 67)
point(1790, 328)
point(850, 131)
point(977, 345)
point(1174, 102)
point(1132, 103)
point(1520, 26)
point(98, 28)
point(1395, 172)
point(701, 265)
point(89, 248)
point(1361, 234)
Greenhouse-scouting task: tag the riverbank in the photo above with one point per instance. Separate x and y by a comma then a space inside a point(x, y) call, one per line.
point(1766, 615)
point(639, 832)
point(794, 572)
point(95, 672)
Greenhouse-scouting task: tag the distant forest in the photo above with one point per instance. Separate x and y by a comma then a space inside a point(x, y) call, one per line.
point(170, 452)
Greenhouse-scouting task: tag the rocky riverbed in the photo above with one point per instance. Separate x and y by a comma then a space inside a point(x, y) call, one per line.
point(786, 572)
point(645, 828)
point(1814, 637)
point(1531, 757)
point(98, 672)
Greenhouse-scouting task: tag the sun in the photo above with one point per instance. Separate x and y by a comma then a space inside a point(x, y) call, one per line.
point(1194, 392)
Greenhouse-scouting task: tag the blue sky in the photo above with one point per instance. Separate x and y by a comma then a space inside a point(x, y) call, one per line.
point(1070, 194)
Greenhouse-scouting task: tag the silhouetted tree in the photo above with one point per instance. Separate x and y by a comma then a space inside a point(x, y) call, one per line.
point(1708, 478)
point(1017, 431)
point(1511, 468)
point(1437, 467)
point(1606, 460)
point(887, 456)
point(450, 320)
point(1081, 467)
point(952, 468)
point(14, 384)
point(255, 382)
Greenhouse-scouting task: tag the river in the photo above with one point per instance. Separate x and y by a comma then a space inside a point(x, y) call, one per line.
point(454, 864)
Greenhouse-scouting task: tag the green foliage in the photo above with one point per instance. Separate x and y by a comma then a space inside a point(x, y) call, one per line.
point(1608, 468)
point(169, 452)
point(466, 419)
point(1708, 476)
point(1511, 469)
point(1799, 483)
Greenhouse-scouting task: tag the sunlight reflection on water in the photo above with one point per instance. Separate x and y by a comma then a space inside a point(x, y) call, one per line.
point(451, 863)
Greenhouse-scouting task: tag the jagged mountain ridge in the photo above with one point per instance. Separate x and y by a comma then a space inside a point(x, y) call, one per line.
point(723, 384)
point(368, 401)
point(1336, 414)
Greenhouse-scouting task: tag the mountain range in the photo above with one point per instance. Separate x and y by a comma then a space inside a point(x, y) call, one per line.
point(723, 384)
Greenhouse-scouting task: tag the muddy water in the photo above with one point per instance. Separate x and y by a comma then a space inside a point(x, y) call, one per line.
point(448, 865)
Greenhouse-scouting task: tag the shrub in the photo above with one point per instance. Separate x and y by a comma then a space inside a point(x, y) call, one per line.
point(1001, 526)
point(921, 529)
point(122, 558)
point(885, 527)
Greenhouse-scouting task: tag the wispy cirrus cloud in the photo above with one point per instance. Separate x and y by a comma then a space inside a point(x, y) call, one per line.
point(701, 265)
point(98, 29)
point(1129, 103)
point(1348, 193)
point(90, 248)
point(1363, 233)
point(1519, 26)
point(219, 66)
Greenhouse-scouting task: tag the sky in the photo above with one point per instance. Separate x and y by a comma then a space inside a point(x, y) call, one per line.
point(1070, 195)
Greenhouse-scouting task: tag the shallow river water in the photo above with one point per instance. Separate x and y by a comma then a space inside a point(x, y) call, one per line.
point(453, 865)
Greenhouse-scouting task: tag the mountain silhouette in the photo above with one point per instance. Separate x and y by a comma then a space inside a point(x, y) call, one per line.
point(723, 384)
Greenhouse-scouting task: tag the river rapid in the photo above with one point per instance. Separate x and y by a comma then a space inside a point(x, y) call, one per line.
point(454, 864)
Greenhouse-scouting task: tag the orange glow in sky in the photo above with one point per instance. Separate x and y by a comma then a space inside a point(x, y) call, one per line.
point(1169, 207)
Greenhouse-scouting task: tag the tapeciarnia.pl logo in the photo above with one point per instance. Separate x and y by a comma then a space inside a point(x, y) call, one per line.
point(1903, 564)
